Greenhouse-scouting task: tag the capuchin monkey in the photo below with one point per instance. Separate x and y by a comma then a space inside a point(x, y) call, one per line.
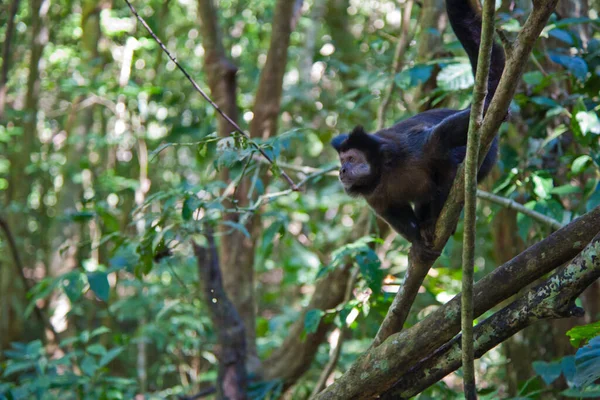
point(415, 161)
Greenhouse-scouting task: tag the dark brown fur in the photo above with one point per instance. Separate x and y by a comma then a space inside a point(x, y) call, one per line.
point(414, 162)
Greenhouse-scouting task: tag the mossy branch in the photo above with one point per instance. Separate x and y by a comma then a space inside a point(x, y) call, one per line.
point(471, 167)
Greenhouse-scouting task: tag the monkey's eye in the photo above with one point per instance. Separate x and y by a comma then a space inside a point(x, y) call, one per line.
point(351, 159)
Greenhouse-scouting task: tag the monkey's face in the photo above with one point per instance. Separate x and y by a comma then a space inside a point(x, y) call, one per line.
point(355, 169)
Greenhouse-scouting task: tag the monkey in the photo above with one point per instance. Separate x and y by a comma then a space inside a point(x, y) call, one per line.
point(414, 162)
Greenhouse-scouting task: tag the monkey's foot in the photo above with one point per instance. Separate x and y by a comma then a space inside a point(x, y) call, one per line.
point(428, 233)
point(424, 253)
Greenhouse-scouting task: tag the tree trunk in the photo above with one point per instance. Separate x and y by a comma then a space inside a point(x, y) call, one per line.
point(11, 292)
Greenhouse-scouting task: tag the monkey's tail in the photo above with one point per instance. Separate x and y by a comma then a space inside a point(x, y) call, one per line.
point(466, 24)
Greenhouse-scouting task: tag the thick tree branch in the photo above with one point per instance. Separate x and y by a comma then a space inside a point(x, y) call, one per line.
point(448, 219)
point(270, 86)
point(197, 87)
point(471, 167)
point(554, 298)
point(232, 380)
point(236, 250)
point(6, 58)
point(378, 369)
point(513, 205)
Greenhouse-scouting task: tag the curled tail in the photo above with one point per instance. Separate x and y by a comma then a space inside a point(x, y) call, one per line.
point(466, 24)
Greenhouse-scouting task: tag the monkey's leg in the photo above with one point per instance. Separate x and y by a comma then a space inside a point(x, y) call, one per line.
point(428, 213)
point(404, 221)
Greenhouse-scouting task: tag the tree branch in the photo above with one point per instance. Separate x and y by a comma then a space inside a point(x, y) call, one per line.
point(401, 47)
point(268, 95)
point(513, 205)
point(554, 298)
point(6, 58)
point(197, 87)
point(378, 369)
point(232, 380)
point(471, 168)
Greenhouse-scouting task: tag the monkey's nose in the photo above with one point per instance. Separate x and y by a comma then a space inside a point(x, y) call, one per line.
point(342, 170)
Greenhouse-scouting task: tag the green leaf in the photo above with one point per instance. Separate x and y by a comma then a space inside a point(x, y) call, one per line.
point(99, 331)
point(414, 76)
point(96, 349)
point(455, 77)
point(576, 65)
point(583, 333)
point(594, 200)
point(549, 371)
point(575, 126)
point(190, 204)
point(587, 364)
point(110, 355)
point(239, 227)
point(73, 285)
point(542, 186)
point(89, 366)
point(565, 190)
point(82, 216)
point(590, 393)
point(533, 78)
point(99, 284)
point(370, 268)
point(277, 227)
point(14, 367)
point(580, 163)
point(544, 101)
point(312, 320)
point(561, 35)
point(588, 122)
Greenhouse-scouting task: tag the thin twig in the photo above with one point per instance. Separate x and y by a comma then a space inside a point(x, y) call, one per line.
point(513, 205)
point(235, 126)
point(270, 196)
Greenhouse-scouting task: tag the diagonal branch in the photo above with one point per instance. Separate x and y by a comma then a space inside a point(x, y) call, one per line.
point(232, 380)
point(554, 298)
point(197, 87)
point(378, 369)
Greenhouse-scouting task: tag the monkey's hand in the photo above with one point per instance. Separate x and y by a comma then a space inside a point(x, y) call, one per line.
point(423, 253)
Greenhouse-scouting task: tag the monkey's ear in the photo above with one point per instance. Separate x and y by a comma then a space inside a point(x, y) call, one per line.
point(359, 139)
point(338, 141)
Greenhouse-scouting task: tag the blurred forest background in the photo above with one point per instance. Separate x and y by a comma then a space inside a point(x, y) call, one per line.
point(111, 164)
